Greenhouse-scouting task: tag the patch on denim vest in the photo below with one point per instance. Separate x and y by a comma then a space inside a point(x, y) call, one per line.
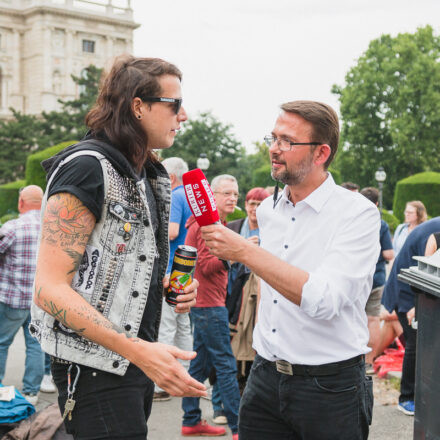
point(85, 278)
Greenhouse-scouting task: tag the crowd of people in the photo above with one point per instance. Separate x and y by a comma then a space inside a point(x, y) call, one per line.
point(288, 308)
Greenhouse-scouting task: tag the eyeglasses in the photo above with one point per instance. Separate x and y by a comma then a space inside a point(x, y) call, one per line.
point(228, 194)
point(176, 101)
point(284, 144)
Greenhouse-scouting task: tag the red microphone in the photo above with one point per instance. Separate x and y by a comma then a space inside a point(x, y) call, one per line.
point(200, 197)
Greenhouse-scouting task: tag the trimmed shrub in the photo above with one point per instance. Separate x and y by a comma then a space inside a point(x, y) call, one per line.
point(422, 186)
point(9, 196)
point(391, 219)
point(8, 217)
point(35, 174)
point(238, 213)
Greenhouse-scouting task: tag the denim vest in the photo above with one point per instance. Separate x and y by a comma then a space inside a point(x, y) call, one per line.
point(114, 274)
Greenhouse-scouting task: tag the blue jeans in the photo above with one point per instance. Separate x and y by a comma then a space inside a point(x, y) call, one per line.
point(279, 406)
point(213, 346)
point(10, 322)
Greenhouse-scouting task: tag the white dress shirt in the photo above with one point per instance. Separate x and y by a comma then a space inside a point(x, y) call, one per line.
point(333, 234)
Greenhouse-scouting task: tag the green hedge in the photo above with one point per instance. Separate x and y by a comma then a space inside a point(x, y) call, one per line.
point(238, 213)
point(35, 174)
point(8, 217)
point(424, 187)
point(391, 219)
point(336, 175)
point(9, 196)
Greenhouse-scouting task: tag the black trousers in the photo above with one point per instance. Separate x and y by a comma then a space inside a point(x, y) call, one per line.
point(283, 407)
point(407, 383)
point(108, 407)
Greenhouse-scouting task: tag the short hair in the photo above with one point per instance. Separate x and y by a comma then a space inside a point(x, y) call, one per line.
point(112, 114)
point(257, 193)
point(371, 194)
point(350, 186)
point(176, 166)
point(324, 121)
point(422, 215)
point(217, 181)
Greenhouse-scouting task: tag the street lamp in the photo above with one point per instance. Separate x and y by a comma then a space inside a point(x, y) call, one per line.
point(380, 177)
point(203, 162)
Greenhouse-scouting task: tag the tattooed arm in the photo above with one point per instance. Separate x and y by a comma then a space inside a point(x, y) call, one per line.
point(66, 229)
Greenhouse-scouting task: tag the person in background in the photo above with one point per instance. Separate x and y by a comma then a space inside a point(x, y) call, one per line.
point(209, 316)
point(350, 186)
point(433, 244)
point(175, 328)
point(372, 308)
point(399, 296)
point(415, 213)
point(18, 256)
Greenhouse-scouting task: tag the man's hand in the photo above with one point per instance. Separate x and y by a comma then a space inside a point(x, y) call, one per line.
point(159, 362)
point(185, 300)
point(224, 243)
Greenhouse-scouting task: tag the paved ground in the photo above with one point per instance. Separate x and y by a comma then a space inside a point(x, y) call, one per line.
point(164, 423)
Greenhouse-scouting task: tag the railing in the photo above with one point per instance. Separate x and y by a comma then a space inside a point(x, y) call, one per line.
point(119, 8)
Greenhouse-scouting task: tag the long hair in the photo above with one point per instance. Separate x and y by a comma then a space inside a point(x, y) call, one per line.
point(422, 216)
point(112, 113)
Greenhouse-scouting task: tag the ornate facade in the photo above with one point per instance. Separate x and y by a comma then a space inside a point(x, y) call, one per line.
point(43, 42)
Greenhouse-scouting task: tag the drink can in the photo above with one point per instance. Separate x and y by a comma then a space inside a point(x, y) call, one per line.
point(182, 270)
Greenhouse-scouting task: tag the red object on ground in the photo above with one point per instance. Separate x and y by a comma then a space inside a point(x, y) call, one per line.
point(391, 360)
point(202, 428)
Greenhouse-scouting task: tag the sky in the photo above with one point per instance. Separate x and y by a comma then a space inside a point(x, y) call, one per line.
point(242, 58)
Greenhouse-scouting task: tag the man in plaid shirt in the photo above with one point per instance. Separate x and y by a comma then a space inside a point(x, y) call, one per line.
point(18, 256)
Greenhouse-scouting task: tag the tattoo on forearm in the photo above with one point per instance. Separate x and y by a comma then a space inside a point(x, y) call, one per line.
point(61, 315)
point(76, 257)
point(67, 222)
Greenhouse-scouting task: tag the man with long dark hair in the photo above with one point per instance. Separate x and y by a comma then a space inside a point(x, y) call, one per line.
point(103, 255)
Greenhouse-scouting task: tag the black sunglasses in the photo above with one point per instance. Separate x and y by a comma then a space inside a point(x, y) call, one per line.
point(176, 101)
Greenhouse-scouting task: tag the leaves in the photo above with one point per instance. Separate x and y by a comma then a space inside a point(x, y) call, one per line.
point(390, 110)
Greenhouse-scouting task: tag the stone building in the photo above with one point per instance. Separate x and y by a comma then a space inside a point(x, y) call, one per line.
point(43, 42)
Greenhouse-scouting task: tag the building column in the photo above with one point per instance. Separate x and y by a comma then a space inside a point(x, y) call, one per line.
point(69, 85)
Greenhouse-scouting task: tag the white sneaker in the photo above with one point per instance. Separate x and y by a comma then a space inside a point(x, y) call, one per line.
point(47, 385)
point(31, 398)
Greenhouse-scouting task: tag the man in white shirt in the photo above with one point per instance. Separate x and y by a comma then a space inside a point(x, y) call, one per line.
point(319, 247)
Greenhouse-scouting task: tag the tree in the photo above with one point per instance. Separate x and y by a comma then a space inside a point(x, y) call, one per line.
point(24, 134)
point(390, 108)
point(206, 134)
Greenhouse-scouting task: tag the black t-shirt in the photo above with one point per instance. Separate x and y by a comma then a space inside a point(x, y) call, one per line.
point(82, 177)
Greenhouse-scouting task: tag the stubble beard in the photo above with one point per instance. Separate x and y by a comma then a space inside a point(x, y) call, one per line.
point(295, 176)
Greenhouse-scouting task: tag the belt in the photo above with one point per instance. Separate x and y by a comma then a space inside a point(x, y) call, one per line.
point(285, 367)
point(57, 360)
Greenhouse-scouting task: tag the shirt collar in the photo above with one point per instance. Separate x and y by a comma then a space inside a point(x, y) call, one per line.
point(317, 198)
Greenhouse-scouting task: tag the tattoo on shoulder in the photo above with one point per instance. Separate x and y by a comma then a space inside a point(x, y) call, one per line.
point(67, 221)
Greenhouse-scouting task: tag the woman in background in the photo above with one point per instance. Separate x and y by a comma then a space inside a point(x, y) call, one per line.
point(415, 213)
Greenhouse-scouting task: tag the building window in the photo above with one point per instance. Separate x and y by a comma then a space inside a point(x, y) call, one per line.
point(88, 46)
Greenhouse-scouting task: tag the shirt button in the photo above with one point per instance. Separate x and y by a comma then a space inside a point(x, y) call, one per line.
point(286, 246)
point(273, 330)
point(293, 219)
point(135, 294)
point(142, 257)
point(127, 327)
point(287, 201)
point(115, 364)
point(275, 301)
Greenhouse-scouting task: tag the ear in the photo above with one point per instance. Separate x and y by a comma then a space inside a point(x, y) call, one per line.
point(137, 107)
point(322, 153)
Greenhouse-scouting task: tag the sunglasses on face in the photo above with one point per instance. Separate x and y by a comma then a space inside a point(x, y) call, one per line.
point(177, 102)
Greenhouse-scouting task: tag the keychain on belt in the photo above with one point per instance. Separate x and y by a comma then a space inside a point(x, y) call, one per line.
point(70, 402)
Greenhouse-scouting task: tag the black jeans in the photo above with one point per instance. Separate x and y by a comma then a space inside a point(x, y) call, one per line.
point(407, 383)
point(283, 407)
point(107, 406)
